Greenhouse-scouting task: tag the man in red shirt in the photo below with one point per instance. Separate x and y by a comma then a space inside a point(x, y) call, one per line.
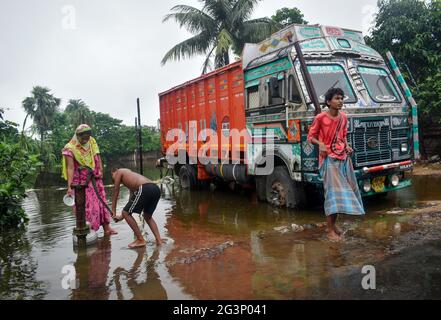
point(329, 131)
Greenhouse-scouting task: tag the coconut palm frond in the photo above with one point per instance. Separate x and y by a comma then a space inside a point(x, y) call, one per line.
point(219, 28)
point(208, 65)
point(198, 44)
point(242, 11)
point(218, 9)
point(224, 42)
point(193, 19)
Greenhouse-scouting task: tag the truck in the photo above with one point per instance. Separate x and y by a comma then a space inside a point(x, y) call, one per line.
point(272, 95)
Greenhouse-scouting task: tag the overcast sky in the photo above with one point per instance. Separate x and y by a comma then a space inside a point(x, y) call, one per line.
point(108, 52)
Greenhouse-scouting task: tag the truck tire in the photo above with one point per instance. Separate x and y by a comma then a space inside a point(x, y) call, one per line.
point(282, 191)
point(261, 188)
point(188, 178)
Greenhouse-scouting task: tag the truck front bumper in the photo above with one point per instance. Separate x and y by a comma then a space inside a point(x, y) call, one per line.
point(403, 184)
point(370, 173)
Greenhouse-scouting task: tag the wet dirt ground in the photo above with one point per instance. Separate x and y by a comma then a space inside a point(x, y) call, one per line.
point(227, 245)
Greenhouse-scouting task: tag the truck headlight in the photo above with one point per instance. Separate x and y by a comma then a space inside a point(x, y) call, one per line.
point(367, 186)
point(394, 180)
point(404, 147)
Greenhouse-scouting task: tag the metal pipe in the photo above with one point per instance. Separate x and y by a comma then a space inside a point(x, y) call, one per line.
point(308, 81)
point(81, 229)
point(141, 168)
point(413, 104)
point(135, 153)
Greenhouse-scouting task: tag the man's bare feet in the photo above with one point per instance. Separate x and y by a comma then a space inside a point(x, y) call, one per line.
point(338, 231)
point(334, 237)
point(137, 244)
point(160, 243)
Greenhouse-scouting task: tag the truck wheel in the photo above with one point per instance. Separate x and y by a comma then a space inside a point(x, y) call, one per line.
point(188, 178)
point(282, 191)
point(261, 187)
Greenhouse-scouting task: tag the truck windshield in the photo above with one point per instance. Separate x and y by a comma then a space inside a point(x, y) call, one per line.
point(379, 85)
point(325, 77)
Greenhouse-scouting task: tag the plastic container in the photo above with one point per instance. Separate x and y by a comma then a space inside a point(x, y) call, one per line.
point(69, 200)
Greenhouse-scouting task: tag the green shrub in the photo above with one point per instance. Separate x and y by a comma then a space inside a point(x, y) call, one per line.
point(17, 168)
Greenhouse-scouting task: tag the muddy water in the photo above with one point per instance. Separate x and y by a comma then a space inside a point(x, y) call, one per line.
point(220, 245)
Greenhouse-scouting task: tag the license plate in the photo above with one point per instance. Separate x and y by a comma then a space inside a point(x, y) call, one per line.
point(378, 184)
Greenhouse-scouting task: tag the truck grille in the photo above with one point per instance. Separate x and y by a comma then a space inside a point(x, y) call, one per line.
point(398, 137)
point(372, 146)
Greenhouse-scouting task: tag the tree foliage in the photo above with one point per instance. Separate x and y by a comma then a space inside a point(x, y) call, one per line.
point(411, 30)
point(18, 166)
point(78, 112)
point(288, 16)
point(219, 28)
point(41, 106)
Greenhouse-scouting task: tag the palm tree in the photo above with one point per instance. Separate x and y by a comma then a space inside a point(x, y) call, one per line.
point(78, 113)
point(41, 106)
point(219, 27)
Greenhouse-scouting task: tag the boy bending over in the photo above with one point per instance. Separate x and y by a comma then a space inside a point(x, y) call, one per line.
point(144, 197)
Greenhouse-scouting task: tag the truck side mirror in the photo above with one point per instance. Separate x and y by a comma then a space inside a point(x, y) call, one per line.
point(274, 87)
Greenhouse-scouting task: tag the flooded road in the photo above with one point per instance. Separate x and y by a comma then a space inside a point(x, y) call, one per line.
point(226, 245)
